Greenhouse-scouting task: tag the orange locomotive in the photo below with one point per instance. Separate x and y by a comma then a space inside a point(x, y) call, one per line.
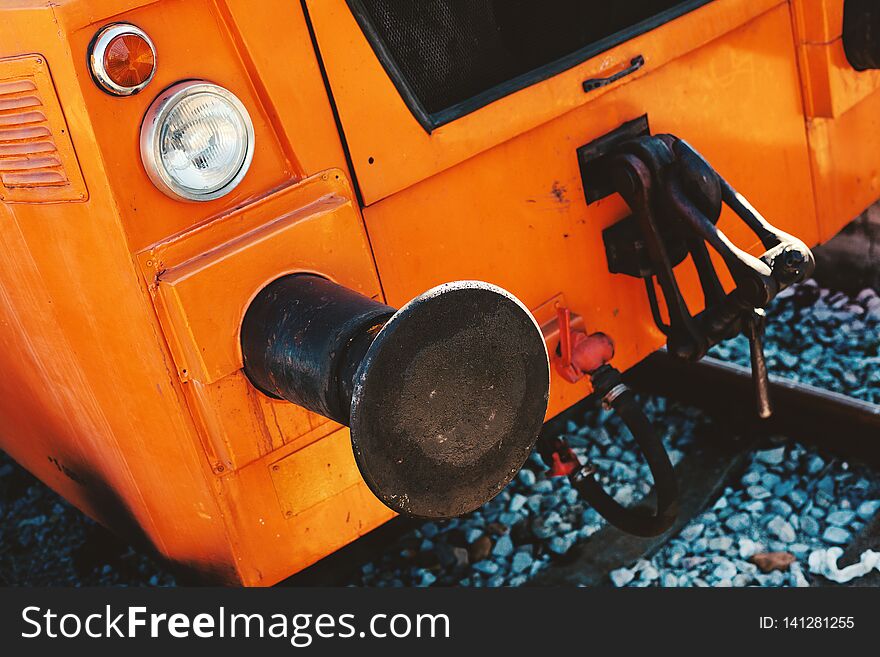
point(212, 210)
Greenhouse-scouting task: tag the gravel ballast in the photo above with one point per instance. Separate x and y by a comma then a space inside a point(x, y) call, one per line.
point(790, 500)
point(46, 541)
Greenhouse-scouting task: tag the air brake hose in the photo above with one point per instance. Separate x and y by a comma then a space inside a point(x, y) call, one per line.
point(640, 521)
point(579, 355)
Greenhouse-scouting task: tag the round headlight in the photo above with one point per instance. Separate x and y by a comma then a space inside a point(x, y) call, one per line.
point(197, 141)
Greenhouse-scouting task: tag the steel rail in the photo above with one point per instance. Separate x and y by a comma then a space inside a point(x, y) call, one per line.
point(844, 425)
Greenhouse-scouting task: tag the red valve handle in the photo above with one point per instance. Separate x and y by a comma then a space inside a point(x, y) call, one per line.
point(579, 353)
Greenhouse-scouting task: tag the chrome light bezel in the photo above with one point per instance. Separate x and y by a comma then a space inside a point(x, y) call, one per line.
point(98, 48)
point(149, 141)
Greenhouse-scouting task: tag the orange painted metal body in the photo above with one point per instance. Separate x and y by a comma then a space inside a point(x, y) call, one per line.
point(120, 307)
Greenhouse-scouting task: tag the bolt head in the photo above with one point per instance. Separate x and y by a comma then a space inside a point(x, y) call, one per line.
point(793, 259)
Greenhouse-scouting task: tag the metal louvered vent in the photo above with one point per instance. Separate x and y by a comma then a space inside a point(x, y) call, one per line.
point(37, 160)
point(450, 57)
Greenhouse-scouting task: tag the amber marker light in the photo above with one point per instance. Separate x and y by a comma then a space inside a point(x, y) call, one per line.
point(122, 59)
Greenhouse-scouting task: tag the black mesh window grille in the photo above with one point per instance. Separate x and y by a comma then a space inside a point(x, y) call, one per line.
point(449, 57)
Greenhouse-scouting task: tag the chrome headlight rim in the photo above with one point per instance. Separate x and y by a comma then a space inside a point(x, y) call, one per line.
point(98, 49)
point(164, 103)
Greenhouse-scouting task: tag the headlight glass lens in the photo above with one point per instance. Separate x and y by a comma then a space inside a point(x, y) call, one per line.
point(200, 143)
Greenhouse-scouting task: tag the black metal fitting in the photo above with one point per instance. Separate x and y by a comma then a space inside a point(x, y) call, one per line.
point(676, 199)
point(303, 337)
point(444, 397)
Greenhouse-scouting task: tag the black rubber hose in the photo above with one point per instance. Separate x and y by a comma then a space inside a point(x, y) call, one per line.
point(640, 521)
